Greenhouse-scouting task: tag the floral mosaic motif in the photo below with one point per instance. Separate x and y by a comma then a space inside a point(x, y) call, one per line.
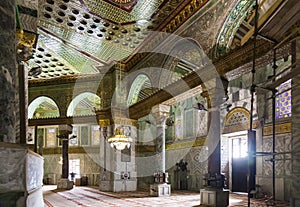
point(284, 100)
point(233, 21)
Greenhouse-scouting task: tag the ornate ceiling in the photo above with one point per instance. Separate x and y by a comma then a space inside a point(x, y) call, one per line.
point(87, 36)
point(83, 36)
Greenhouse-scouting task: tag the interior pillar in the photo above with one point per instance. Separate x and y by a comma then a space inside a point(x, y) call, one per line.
point(64, 132)
point(8, 75)
point(118, 167)
point(161, 112)
point(160, 186)
point(216, 92)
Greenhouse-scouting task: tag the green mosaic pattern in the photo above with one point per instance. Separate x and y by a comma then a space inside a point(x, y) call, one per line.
point(142, 10)
point(232, 23)
point(81, 63)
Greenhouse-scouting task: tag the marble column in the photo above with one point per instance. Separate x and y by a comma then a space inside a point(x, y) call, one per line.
point(160, 188)
point(295, 145)
point(8, 76)
point(215, 98)
point(161, 112)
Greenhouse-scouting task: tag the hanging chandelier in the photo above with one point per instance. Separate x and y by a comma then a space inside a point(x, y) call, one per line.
point(119, 140)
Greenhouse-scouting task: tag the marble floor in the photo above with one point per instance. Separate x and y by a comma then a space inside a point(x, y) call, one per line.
point(91, 197)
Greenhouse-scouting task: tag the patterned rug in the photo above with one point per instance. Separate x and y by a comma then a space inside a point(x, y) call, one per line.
point(92, 197)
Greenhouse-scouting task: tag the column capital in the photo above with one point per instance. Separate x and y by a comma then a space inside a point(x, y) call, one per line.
point(215, 91)
point(65, 129)
point(160, 112)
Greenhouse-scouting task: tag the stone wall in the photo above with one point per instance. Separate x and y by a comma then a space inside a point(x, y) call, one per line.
point(195, 157)
point(88, 167)
point(283, 166)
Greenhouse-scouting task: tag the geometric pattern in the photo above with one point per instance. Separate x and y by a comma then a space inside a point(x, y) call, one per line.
point(237, 116)
point(282, 161)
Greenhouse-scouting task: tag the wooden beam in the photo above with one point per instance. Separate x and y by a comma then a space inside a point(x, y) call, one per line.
point(261, 21)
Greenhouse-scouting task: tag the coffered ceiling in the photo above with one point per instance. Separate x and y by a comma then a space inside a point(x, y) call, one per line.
point(83, 36)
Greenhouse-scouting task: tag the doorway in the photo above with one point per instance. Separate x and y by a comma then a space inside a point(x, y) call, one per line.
point(239, 161)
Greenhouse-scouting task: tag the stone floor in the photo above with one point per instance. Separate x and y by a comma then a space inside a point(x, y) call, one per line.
point(92, 197)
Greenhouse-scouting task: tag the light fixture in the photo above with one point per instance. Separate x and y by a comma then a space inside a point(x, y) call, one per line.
point(120, 141)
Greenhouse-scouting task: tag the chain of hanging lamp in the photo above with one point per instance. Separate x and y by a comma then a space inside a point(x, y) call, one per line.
point(119, 140)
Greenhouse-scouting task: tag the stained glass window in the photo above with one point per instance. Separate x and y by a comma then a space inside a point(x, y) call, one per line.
point(284, 100)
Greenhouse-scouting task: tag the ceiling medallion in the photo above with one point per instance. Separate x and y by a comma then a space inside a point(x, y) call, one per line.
point(126, 5)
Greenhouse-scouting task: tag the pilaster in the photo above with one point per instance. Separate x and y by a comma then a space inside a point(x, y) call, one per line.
point(118, 168)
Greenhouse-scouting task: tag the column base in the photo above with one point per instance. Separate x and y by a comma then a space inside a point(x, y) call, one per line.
point(65, 183)
point(214, 197)
point(160, 189)
point(118, 185)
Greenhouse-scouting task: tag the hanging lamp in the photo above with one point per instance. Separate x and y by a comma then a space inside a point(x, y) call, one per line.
point(119, 140)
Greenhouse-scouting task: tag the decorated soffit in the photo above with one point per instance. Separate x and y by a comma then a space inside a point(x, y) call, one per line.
point(86, 36)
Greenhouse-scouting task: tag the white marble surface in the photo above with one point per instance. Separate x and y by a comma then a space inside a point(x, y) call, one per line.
point(12, 171)
point(34, 171)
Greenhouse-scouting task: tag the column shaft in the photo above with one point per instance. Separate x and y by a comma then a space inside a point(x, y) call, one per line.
point(213, 140)
point(8, 76)
point(65, 156)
